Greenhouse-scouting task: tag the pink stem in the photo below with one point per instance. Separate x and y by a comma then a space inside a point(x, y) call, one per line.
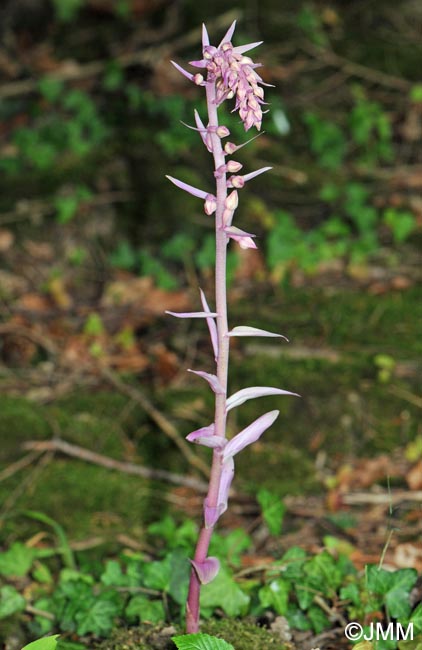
point(201, 552)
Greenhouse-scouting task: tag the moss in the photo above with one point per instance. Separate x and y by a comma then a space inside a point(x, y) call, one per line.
point(243, 635)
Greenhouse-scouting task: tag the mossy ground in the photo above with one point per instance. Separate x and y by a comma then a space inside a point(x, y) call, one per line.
point(345, 410)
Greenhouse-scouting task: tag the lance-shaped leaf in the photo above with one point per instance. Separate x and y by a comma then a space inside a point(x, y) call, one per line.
point(205, 436)
point(211, 324)
point(227, 475)
point(207, 570)
point(254, 391)
point(188, 188)
point(211, 514)
point(192, 314)
point(244, 330)
point(211, 379)
point(249, 435)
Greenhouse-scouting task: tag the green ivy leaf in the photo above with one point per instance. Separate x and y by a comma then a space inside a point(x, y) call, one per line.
point(200, 642)
point(224, 592)
point(273, 510)
point(143, 609)
point(47, 643)
point(11, 601)
point(275, 595)
point(17, 560)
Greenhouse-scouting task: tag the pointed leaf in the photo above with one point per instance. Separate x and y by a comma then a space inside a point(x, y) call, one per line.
point(244, 330)
point(205, 436)
point(192, 314)
point(225, 483)
point(211, 379)
point(250, 434)
point(211, 514)
point(207, 570)
point(200, 641)
point(188, 188)
point(254, 391)
point(211, 324)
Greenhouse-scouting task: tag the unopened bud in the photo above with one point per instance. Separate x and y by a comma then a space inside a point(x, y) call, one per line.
point(227, 217)
point(198, 79)
point(233, 166)
point(210, 204)
point(236, 181)
point(232, 201)
point(222, 131)
point(230, 94)
point(230, 148)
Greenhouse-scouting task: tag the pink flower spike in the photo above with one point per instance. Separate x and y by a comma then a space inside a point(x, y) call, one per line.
point(205, 37)
point(250, 434)
point(211, 379)
point(252, 392)
point(225, 483)
point(211, 325)
point(241, 49)
point(192, 314)
point(207, 570)
point(228, 35)
point(248, 177)
point(244, 330)
point(188, 188)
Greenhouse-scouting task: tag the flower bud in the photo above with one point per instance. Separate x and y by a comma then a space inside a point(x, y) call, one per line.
point(222, 131)
point(230, 148)
point(198, 79)
point(210, 204)
point(233, 166)
point(236, 181)
point(232, 201)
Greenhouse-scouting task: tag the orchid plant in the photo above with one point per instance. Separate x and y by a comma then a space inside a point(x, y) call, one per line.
point(227, 74)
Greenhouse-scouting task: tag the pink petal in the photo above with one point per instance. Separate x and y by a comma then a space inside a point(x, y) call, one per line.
point(188, 188)
point(211, 379)
point(207, 570)
point(244, 330)
point(228, 35)
point(192, 314)
point(248, 177)
point(200, 63)
point(249, 435)
point(244, 394)
point(211, 325)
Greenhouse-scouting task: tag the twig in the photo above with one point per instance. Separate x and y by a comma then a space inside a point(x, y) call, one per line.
point(110, 463)
point(149, 56)
point(18, 465)
point(407, 395)
point(160, 420)
point(365, 498)
point(356, 69)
